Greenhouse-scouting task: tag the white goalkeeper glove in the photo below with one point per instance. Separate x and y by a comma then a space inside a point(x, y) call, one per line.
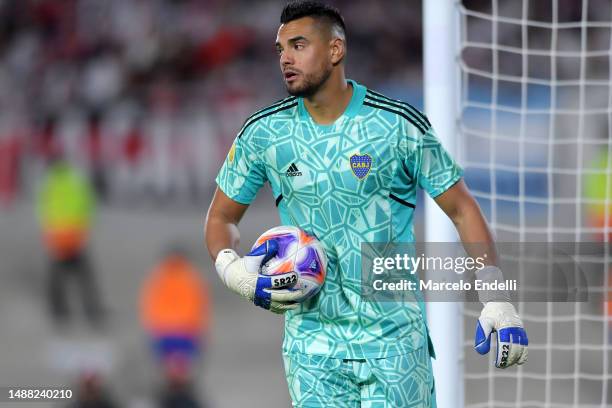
point(242, 275)
point(499, 316)
point(502, 319)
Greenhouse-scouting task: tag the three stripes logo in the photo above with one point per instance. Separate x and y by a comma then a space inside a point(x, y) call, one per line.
point(293, 171)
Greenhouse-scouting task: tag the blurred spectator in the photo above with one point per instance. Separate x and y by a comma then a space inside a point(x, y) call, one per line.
point(94, 149)
point(92, 393)
point(175, 312)
point(133, 152)
point(65, 210)
point(10, 153)
point(178, 395)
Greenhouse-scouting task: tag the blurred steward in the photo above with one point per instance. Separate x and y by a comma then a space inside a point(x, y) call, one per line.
point(175, 313)
point(65, 206)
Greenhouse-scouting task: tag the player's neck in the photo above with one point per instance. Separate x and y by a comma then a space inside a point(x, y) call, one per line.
point(330, 102)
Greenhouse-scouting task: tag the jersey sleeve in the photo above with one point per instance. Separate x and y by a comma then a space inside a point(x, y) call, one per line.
point(242, 173)
point(435, 170)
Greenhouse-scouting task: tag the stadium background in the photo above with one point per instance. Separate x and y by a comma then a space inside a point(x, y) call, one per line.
point(146, 97)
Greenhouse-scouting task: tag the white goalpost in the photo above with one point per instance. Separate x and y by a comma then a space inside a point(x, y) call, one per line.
point(440, 75)
point(520, 91)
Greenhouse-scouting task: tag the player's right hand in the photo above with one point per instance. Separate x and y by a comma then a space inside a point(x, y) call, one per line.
point(242, 275)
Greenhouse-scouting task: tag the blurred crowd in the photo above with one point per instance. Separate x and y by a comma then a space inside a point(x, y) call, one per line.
point(146, 95)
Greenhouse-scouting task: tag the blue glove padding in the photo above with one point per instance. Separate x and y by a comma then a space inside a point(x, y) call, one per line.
point(268, 249)
point(267, 283)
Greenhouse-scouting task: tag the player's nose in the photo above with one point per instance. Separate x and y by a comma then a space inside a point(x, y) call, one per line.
point(286, 59)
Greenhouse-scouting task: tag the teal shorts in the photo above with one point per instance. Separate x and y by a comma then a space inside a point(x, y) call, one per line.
point(399, 381)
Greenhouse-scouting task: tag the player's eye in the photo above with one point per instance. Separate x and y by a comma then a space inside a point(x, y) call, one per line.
point(279, 51)
point(298, 46)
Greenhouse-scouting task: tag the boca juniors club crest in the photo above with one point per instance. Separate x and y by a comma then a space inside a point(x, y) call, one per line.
point(361, 165)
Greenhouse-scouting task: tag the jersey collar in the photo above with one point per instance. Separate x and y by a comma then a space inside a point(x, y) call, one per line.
point(351, 110)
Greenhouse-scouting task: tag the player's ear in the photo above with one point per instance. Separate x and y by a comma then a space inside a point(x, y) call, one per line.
point(338, 50)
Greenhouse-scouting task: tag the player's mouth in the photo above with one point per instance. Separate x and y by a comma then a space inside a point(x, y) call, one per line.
point(290, 76)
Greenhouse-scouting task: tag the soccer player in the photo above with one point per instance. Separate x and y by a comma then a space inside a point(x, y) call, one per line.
point(344, 163)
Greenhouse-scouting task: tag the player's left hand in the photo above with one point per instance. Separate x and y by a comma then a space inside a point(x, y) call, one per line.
point(501, 318)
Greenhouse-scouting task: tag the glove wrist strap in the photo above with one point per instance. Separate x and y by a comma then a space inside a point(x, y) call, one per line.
point(490, 274)
point(224, 258)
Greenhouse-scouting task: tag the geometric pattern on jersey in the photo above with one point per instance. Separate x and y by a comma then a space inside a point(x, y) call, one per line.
point(397, 381)
point(328, 198)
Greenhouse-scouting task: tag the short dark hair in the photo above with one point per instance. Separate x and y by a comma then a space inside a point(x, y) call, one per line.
point(317, 10)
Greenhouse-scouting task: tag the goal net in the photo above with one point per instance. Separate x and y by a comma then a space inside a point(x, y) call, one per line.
point(535, 121)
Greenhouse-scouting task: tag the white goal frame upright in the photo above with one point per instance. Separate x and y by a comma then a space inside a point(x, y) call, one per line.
point(440, 72)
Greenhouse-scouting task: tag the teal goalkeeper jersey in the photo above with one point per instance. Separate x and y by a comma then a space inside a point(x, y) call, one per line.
point(350, 182)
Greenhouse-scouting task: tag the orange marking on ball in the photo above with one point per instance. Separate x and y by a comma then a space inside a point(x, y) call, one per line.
point(305, 239)
point(264, 238)
point(285, 267)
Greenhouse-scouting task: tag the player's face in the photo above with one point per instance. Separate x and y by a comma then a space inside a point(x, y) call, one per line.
point(305, 57)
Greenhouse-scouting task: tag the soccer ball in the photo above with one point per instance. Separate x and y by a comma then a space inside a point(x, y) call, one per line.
point(297, 251)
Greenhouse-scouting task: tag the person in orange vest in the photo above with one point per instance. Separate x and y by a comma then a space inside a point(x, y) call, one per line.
point(65, 208)
point(175, 312)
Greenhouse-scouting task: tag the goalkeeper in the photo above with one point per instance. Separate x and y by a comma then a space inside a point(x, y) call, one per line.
point(344, 162)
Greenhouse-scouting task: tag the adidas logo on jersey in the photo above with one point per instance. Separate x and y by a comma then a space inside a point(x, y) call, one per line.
point(293, 171)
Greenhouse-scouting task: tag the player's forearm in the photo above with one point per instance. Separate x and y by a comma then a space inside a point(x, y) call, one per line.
point(474, 232)
point(221, 227)
point(220, 234)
